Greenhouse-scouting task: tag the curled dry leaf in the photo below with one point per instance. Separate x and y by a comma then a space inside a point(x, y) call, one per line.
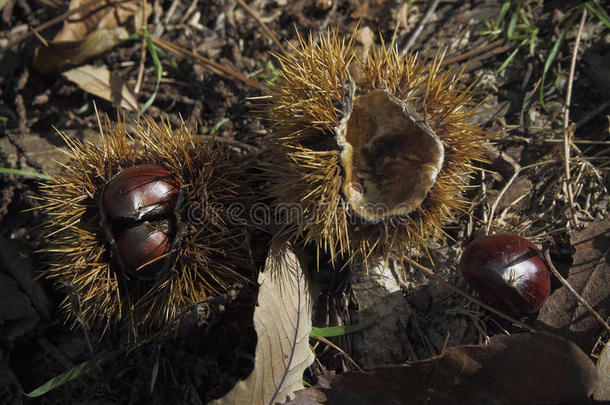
point(101, 82)
point(91, 32)
point(282, 320)
point(562, 312)
point(527, 368)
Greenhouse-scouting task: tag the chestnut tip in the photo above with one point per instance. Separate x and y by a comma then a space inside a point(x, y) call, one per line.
point(507, 271)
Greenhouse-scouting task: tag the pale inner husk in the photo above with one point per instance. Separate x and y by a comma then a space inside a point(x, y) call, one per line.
point(390, 156)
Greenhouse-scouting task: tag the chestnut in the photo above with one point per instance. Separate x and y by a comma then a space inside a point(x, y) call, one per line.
point(507, 271)
point(143, 247)
point(140, 193)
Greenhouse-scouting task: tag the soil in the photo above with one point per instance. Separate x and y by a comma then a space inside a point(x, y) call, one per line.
point(419, 317)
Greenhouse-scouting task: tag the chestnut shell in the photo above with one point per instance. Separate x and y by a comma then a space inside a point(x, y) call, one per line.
point(507, 271)
point(140, 193)
point(144, 243)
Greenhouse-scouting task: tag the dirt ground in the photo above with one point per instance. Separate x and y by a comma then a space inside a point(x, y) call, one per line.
point(521, 190)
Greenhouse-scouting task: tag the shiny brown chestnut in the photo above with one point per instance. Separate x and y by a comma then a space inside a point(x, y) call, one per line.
point(140, 193)
point(507, 271)
point(144, 247)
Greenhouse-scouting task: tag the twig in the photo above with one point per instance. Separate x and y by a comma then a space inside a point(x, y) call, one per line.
point(566, 120)
point(420, 27)
point(491, 53)
point(456, 290)
point(136, 88)
point(40, 37)
point(215, 66)
point(579, 142)
point(498, 198)
point(337, 348)
point(476, 51)
point(260, 22)
point(189, 11)
point(57, 20)
point(517, 167)
point(549, 263)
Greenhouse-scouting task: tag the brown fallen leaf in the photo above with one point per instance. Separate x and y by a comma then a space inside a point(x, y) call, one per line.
point(527, 368)
point(90, 33)
point(603, 368)
point(100, 16)
point(282, 321)
point(562, 313)
point(99, 81)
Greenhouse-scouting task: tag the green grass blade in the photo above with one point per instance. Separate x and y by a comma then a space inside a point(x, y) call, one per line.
point(599, 13)
point(219, 124)
point(72, 374)
point(527, 22)
point(333, 331)
point(25, 173)
point(507, 61)
point(549, 61)
point(85, 367)
point(503, 11)
point(152, 49)
point(275, 73)
point(514, 18)
point(533, 41)
point(487, 24)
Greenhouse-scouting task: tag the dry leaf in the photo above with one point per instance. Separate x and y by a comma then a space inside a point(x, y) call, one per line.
point(99, 16)
point(563, 313)
point(90, 33)
point(527, 368)
point(603, 368)
point(282, 321)
point(23, 300)
point(102, 83)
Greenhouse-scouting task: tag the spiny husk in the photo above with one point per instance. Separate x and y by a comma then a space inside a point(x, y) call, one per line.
point(304, 169)
point(204, 263)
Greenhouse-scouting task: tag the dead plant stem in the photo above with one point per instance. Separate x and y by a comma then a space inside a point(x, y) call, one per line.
point(340, 350)
point(566, 120)
point(494, 206)
point(420, 27)
point(212, 65)
point(136, 88)
point(549, 263)
point(260, 22)
point(474, 52)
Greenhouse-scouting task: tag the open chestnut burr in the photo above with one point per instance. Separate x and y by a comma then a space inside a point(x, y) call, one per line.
point(137, 229)
point(507, 271)
point(374, 151)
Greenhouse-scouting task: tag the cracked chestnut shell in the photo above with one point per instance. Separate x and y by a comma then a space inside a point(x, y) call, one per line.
point(507, 271)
